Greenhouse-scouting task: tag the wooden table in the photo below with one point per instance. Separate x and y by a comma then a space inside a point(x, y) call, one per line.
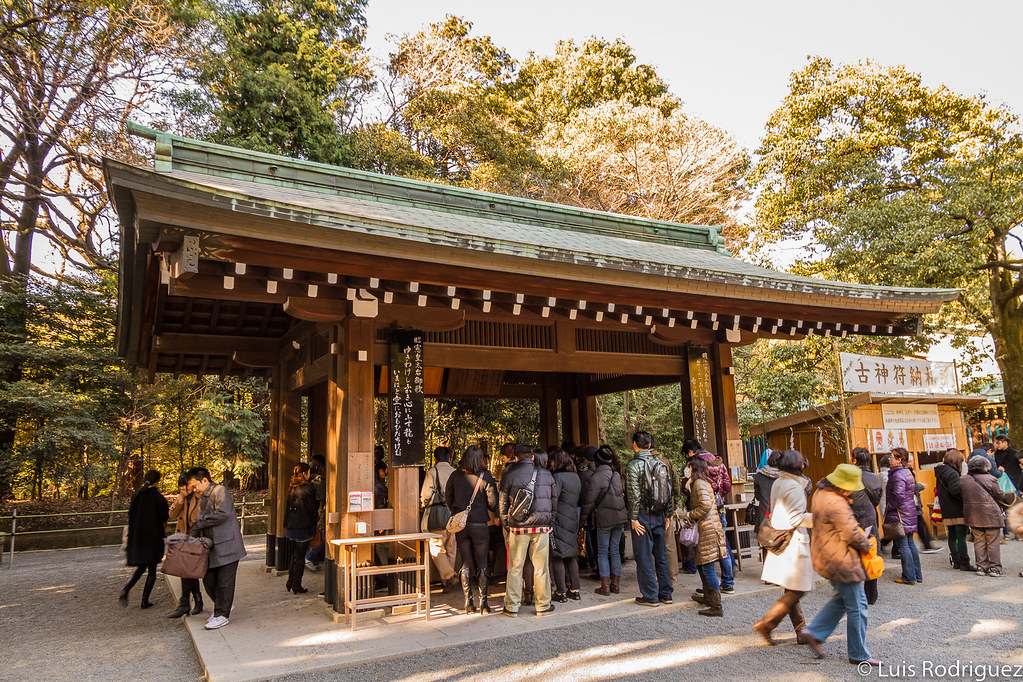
point(734, 528)
point(414, 541)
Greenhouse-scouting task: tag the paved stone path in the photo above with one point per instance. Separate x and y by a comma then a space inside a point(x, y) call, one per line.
point(60, 619)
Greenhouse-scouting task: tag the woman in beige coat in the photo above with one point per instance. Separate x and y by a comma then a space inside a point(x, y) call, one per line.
point(792, 569)
point(185, 509)
point(711, 547)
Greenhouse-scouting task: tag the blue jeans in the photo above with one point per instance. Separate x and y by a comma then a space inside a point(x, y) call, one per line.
point(608, 539)
point(709, 575)
point(910, 559)
point(316, 554)
point(652, 558)
point(851, 601)
point(727, 566)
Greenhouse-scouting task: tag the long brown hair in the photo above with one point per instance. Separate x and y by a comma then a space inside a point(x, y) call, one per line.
point(299, 476)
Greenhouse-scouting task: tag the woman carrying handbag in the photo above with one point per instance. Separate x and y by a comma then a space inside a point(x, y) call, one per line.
point(900, 517)
point(471, 493)
point(792, 567)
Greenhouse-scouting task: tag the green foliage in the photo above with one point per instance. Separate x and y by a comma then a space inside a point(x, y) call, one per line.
point(280, 77)
point(459, 423)
point(551, 90)
point(66, 387)
point(657, 410)
point(229, 416)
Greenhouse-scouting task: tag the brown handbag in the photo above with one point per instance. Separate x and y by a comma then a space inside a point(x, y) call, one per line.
point(316, 540)
point(186, 557)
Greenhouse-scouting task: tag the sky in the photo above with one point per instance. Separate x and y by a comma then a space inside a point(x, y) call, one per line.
point(730, 61)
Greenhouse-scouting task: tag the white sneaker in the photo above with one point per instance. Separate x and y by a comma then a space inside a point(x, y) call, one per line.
point(216, 622)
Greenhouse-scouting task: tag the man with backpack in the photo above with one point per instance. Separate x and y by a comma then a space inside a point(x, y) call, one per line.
point(528, 500)
point(649, 498)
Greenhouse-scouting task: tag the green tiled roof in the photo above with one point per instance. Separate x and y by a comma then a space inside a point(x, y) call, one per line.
point(433, 214)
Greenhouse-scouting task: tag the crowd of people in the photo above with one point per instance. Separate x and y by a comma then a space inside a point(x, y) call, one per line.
point(548, 515)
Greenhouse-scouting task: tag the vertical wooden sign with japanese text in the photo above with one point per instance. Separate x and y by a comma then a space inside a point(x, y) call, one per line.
point(701, 389)
point(405, 390)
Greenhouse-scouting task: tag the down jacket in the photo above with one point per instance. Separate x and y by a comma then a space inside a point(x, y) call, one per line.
point(950, 494)
point(545, 495)
point(566, 519)
point(981, 495)
point(703, 512)
point(864, 502)
point(837, 538)
point(611, 510)
point(900, 498)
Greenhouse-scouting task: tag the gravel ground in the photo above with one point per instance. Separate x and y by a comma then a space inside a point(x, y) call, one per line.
point(60, 619)
point(953, 617)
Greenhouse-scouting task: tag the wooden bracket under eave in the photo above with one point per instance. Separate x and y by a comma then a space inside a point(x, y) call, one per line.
point(257, 359)
point(316, 309)
point(426, 319)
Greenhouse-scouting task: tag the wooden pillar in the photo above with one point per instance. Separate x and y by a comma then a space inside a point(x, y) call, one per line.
point(318, 419)
point(273, 473)
point(725, 411)
point(549, 411)
point(570, 419)
point(289, 443)
point(587, 406)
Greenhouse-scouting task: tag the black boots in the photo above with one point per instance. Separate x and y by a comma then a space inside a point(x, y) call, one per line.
point(197, 598)
point(147, 590)
point(465, 576)
point(484, 582)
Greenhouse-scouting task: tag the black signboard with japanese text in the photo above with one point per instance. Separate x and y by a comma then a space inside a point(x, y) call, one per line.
point(702, 392)
point(405, 390)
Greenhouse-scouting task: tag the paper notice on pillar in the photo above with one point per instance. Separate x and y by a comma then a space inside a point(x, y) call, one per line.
point(406, 398)
point(898, 416)
point(939, 441)
point(883, 440)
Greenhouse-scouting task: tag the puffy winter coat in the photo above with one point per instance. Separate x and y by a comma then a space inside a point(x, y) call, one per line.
point(981, 495)
point(566, 519)
point(458, 491)
point(837, 539)
point(704, 513)
point(545, 495)
point(864, 502)
point(950, 494)
point(611, 511)
point(147, 513)
point(900, 498)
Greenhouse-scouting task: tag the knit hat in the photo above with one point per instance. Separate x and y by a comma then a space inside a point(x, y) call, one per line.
point(978, 463)
point(846, 477)
point(603, 455)
point(589, 452)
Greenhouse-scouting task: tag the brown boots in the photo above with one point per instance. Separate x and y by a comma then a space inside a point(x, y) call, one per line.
point(712, 600)
point(605, 587)
point(787, 604)
point(614, 584)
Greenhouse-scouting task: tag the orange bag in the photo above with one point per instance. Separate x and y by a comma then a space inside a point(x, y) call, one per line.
point(873, 563)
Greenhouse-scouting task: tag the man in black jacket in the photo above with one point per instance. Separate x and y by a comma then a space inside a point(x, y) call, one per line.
point(529, 534)
point(1008, 460)
point(864, 507)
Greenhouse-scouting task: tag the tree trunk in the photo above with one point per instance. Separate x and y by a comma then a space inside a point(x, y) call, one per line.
point(1006, 329)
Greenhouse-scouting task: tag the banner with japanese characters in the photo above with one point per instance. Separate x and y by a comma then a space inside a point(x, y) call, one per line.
point(895, 375)
point(405, 391)
point(900, 416)
point(939, 441)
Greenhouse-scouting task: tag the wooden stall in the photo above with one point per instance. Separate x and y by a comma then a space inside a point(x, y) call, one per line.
point(818, 433)
point(317, 277)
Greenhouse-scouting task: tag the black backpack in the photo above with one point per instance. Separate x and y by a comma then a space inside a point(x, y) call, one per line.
point(658, 491)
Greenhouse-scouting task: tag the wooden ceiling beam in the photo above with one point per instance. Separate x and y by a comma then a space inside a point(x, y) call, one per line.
point(210, 344)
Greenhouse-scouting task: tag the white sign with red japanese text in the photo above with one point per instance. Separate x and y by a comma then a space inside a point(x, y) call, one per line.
point(898, 416)
point(883, 440)
point(895, 375)
point(939, 441)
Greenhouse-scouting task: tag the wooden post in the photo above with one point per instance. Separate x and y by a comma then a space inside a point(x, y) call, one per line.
point(272, 468)
point(318, 419)
point(725, 411)
point(289, 445)
point(549, 411)
point(587, 405)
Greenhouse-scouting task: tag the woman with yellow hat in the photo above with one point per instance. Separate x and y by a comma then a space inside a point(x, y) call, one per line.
point(835, 549)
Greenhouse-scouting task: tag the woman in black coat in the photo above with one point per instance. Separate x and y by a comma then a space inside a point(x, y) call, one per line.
point(300, 521)
point(950, 497)
point(147, 523)
point(605, 501)
point(473, 540)
point(565, 542)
